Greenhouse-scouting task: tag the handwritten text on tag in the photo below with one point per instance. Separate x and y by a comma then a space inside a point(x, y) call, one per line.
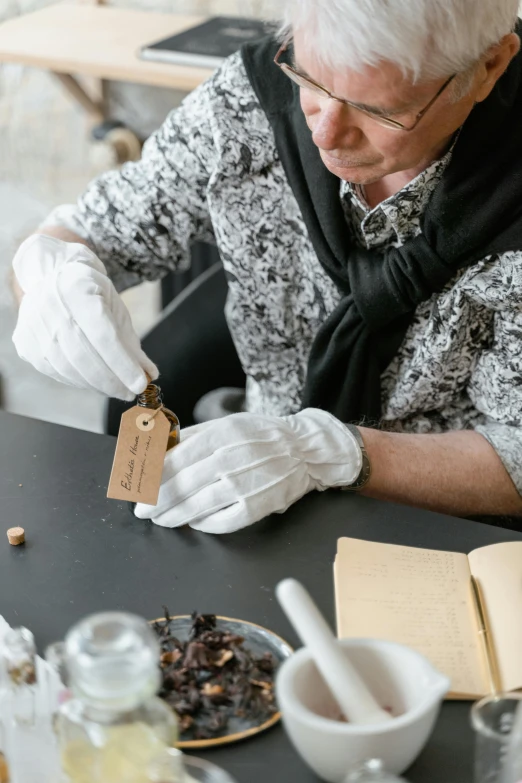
point(140, 453)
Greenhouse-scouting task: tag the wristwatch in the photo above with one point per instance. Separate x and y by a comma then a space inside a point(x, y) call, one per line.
point(366, 469)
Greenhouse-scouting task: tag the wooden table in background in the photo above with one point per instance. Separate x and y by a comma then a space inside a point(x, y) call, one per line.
point(71, 39)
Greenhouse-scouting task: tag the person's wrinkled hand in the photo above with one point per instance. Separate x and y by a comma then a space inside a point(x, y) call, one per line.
point(72, 324)
point(231, 472)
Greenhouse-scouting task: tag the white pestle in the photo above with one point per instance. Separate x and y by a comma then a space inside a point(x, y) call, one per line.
point(344, 682)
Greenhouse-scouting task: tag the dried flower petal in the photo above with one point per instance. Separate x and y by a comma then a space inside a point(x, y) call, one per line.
point(266, 686)
point(185, 722)
point(211, 690)
point(171, 657)
point(196, 656)
point(225, 657)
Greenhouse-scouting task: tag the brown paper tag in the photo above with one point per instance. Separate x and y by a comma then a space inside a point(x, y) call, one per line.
point(140, 453)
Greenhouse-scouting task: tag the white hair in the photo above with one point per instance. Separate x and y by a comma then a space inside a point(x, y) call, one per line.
point(427, 39)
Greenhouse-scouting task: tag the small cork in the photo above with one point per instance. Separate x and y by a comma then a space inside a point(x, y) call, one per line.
point(16, 536)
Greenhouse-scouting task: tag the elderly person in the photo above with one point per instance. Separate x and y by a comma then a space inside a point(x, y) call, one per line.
point(360, 176)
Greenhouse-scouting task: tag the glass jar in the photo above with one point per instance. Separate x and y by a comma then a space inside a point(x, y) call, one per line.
point(113, 725)
point(20, 668)
point(493, 719)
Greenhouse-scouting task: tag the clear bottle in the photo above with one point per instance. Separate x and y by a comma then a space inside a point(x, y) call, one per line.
point(114, 725)
point(20, 667)
point(371, 771)
point(58, 691)
point(151, 398)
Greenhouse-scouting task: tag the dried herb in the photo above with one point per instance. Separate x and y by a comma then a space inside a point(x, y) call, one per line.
point(23, 673)
point(211, 678)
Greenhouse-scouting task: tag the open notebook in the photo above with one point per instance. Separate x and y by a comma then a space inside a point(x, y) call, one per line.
point(423, 598)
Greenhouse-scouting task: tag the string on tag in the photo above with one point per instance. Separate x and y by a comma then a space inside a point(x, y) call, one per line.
point(154, 414)
point(161, 406)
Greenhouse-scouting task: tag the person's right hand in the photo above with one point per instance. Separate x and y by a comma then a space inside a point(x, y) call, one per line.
point(72, 324)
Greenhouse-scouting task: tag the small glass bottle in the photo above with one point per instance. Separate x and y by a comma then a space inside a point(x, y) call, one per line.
point(4, 769)
point(114, 725)
point(20, 666)
point(151, 398)
point(371, 771)
point(58, 691)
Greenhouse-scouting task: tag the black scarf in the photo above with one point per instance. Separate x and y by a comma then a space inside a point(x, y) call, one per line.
point(476, 210)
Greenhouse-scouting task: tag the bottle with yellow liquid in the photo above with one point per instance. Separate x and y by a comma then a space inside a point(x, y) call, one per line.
point(114, 725)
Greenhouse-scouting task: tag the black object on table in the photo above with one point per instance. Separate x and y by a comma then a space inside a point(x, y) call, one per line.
point(85, 553)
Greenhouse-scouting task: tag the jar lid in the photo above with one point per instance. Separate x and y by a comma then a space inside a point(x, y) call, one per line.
point(113, 660)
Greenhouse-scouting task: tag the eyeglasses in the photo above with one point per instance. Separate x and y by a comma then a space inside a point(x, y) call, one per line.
point(386, 122)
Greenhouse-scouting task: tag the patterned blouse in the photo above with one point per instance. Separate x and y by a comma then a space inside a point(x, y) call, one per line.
point(212, 173)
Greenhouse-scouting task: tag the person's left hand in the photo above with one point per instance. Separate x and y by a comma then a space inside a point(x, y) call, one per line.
point(231, 472)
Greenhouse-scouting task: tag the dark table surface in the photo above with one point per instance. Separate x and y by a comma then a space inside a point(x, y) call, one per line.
point(85, 553)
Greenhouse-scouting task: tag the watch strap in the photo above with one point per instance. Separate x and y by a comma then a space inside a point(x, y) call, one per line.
point(366, 469)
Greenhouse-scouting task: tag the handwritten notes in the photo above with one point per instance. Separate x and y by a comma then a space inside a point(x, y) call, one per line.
point(417, 597)
point(498, 568)
point(139, 456)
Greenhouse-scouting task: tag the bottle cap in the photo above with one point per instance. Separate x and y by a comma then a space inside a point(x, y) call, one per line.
point(113, 660)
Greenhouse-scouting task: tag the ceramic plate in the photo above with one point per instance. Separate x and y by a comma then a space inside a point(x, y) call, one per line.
point(258, 640)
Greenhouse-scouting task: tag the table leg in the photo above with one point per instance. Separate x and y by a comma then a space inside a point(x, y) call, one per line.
point(93, 107)
point(104, 97)
point(103, 82)
point(123, 144)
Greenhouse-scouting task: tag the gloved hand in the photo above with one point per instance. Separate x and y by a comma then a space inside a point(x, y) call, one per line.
point(229, 473)
point(72, 324)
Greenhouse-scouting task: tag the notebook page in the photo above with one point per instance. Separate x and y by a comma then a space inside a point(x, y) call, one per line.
point(498, 569)
point(417, 597)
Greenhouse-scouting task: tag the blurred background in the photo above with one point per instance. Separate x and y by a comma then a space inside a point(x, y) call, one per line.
point(47, 156)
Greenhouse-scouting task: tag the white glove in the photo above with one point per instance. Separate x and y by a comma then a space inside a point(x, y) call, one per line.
point(72, 324)
point(231, 472)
